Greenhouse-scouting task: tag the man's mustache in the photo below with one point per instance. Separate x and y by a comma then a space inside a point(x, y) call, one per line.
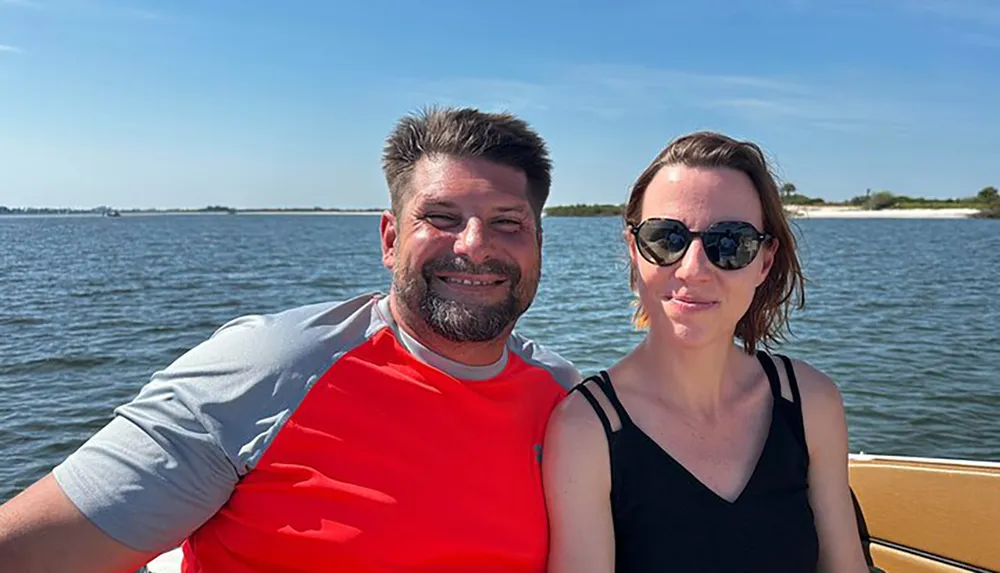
point(461, 264)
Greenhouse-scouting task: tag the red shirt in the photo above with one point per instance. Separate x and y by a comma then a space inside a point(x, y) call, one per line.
point(391, 464)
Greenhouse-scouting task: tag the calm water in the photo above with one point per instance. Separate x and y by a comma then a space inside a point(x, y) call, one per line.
point(902, 314)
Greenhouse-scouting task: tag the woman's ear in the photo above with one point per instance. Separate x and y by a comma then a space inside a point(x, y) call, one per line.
point(633, 252)
point(767, 254)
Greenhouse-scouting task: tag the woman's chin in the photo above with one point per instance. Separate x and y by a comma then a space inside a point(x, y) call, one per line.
point(688, 329)
point(691, 337)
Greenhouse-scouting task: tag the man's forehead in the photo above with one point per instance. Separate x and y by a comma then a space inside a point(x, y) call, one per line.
point(458, 181)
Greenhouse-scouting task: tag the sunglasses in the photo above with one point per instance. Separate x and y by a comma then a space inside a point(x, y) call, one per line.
point(729, 245)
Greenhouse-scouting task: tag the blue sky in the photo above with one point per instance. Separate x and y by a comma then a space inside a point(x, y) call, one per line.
point(261, 103)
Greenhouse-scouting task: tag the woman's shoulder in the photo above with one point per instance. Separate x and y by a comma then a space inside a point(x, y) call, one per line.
point(822, 409)
point(576, 440)
point(577, 411)
point(818, 390)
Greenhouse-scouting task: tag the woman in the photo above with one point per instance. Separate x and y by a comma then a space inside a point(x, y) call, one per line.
point(693, 453)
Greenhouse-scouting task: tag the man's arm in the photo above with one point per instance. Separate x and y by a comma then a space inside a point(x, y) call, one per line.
point(165, 463)
point(171, 458)
point(41, 531)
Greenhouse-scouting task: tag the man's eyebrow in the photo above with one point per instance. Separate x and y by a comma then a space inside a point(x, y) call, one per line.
point(441, 204)
point(445, 204)
point(519, 209)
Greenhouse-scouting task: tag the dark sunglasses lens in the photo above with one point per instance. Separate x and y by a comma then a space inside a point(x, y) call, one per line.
point(731, 245)
point(663, 241)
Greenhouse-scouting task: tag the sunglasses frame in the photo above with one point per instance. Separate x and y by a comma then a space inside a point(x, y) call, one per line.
point(642, 245)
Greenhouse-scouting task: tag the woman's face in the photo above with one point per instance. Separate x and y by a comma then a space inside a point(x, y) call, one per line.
point(693, 301)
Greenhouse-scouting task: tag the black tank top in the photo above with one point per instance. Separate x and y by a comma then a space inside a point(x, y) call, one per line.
point(665, 519)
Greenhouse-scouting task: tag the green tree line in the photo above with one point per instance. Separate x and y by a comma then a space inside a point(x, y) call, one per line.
point(987, 201)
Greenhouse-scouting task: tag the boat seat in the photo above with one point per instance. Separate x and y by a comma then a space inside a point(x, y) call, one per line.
point(920, 515)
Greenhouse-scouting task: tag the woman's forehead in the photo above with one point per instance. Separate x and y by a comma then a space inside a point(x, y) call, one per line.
point(700, 196)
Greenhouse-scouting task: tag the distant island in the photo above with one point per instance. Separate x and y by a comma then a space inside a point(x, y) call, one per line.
point(985, 204)
point(211, 209)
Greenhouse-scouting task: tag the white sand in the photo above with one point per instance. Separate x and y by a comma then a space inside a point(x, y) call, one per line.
point(825, 212)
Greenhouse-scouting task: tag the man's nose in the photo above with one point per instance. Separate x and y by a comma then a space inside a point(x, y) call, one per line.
point(472, 240)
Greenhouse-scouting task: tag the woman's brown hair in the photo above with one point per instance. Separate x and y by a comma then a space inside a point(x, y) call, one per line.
point(767, 318)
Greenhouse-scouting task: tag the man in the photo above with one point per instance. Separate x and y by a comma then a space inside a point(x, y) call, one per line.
point(382, 433)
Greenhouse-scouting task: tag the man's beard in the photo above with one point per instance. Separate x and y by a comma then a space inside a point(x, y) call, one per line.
point(457, 320)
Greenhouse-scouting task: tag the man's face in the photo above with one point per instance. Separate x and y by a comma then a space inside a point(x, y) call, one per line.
point(465, 251)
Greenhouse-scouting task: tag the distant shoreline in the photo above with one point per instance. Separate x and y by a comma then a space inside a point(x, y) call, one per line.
point(175, 212)
point(832, 212)
point(793, 211)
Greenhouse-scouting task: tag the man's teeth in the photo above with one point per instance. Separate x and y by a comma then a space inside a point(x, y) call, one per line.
point(467, 282)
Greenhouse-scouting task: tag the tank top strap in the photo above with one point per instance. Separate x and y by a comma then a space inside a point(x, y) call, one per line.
point(609, 391)
point(793, 383)
point(793, 407)
point(598, 409)
point(772, 374)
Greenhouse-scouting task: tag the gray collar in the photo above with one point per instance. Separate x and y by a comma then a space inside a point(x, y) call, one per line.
point(435, 360)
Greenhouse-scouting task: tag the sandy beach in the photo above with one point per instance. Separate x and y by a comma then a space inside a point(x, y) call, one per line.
point(828, 212)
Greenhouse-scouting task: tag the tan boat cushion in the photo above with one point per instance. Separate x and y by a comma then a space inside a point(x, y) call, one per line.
point(945, 509)
point(895, 561)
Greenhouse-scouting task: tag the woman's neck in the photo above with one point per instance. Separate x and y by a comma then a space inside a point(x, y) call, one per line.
point(700, 380)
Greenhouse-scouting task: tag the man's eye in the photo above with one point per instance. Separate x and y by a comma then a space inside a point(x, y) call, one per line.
point(507, 224)
point(441, 219)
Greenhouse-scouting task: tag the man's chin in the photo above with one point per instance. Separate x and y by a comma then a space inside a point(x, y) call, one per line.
point(460, 321)
point(469, 309)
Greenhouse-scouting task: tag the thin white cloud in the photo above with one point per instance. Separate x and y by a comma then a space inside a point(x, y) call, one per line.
point(97, 8)
point(144, 15)
point(979, 12)
point(4, 49)
point(975, 15)
point(970, 22)
point(982, 40)
point(614, 91)
point(847, 102)
point(21, 3)
point(752, 105)
point(602, 90)
point(845, 114)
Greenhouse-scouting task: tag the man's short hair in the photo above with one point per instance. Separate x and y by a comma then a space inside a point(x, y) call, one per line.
point(466, 133)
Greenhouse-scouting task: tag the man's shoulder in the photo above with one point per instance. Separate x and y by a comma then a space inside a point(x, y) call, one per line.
point(298, 329)
point(171, 456)
point(293, 338)
point(248, 377)
point(538, 355)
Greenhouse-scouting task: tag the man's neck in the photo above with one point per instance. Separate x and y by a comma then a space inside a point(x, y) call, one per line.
point(467, 353)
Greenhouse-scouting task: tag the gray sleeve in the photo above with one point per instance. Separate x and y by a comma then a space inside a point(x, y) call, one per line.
point(170, 458)
point(562, 370)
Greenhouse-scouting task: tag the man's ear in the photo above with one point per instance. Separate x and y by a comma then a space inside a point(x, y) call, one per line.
point(389, 232)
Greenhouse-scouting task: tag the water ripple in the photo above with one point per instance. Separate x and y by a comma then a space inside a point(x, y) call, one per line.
point(901, 314)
